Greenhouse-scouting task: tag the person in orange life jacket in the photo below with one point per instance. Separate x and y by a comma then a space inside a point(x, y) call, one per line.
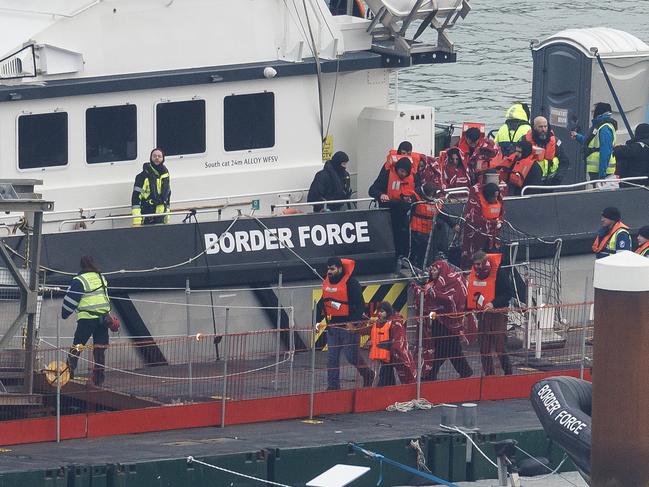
point(521, 169)
point(613, 236)
point(342, 306)
point(483, 214)
point(477, 152)
point(455, 174)
point(552, 159)
point(394, 188)
point(489, 288)
point(643, 242)
point(381, 342)
point(331, 183)
point(422, 215)
point(446, 291)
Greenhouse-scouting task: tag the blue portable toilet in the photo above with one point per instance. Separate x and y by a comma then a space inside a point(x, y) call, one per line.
point(568, 81)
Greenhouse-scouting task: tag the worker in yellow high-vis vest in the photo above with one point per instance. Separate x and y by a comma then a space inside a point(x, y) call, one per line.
point(598, 143)
point(151, 191)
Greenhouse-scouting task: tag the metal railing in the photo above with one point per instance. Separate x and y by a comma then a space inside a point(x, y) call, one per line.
point(583, 183)
point(319, 203)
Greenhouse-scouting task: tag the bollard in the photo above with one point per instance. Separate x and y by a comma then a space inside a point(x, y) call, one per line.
point(620, 443)
point(449, 414)
point(470, 415)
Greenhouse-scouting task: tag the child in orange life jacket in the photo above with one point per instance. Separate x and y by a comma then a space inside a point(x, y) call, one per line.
point(381, 343)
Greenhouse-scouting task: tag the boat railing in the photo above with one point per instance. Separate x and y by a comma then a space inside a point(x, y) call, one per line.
point(226, 201)
point(584, 184)
point(319, 203)
point(131, 217)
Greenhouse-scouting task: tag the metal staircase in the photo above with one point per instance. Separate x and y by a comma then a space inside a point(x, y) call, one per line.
point(394, 20)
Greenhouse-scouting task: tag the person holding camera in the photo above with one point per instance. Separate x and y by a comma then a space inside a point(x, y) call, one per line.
point(88, 297)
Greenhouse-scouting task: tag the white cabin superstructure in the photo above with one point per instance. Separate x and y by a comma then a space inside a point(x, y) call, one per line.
point(239, 94)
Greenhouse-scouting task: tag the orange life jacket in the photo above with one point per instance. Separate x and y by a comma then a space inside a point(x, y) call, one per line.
point(334, 296)
point(462, 144)
point(380, 335)
point(550, 149)
point(422, 216)
point(521, 169)
point(397, 187)
point(483, 288)
point(490, 211)
point(598, 245)
point(643, 250)
point(393, 157)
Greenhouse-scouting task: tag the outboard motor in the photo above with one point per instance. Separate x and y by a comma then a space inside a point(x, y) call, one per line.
point(564, 408)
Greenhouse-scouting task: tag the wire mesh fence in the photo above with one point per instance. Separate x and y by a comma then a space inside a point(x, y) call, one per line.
point(168, 370)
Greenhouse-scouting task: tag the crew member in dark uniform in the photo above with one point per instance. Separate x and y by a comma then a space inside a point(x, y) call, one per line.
point(88, 297)
point(151, 191)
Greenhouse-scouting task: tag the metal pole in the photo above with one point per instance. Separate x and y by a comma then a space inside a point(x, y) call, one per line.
point(420, 342)
point(58, 381)
point(583, 330)
point(313, 340)
point(32, 301)
point(226, 354)
point(539, 332)
point(612, 90)
point(350, 7)
point(278, 329)
point(291, 324)
point(430, 241)
point(189, 341)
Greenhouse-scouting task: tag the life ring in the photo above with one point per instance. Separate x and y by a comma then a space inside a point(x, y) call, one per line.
point(564, 408)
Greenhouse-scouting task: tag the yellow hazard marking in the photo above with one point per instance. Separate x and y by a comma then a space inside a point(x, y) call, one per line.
point(5, 450)
point(328, 148)
point(312, 421)
point(221, 397)
point(371, 294)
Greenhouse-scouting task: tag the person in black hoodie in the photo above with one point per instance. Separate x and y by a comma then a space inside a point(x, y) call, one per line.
point(633, 157)
point(151, 191)
point(331, 183)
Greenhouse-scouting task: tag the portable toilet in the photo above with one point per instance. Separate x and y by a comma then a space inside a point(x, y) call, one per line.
point(568, 81)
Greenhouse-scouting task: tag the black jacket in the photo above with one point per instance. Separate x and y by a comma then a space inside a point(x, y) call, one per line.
point(632, 158)
point(154, 199)
point(504, 288)
point(564, 162)
point(380, 185)
point(330, 184)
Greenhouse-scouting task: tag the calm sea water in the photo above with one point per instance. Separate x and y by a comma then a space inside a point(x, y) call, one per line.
point(494, 67)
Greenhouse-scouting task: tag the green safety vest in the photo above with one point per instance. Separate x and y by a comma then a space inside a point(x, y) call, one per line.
point(592, 159)
point(506, 139)
point(549, 168)
point(94, 301)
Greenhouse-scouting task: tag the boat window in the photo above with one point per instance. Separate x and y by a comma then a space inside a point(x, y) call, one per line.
point(111, 134)
point(42, 140)
point(249, 121)
point(180, 127)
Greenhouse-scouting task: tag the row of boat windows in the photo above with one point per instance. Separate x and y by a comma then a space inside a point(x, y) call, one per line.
point(111, 132)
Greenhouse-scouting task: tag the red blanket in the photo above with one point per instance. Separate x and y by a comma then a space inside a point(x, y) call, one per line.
point(479, 232)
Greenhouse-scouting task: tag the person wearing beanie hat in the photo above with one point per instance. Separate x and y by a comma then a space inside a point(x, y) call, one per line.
point(613, 236)
point(633, 157)
point(331, 183)
point(643, 242)
point(394, 188)
point(599, 142)
point(342, 307)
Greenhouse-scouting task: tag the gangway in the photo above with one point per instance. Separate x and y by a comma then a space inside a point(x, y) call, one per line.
point(393, 18)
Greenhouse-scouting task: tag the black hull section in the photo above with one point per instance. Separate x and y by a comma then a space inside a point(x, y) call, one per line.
point(572, 217)
point(563, 406)
point(251, 255)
